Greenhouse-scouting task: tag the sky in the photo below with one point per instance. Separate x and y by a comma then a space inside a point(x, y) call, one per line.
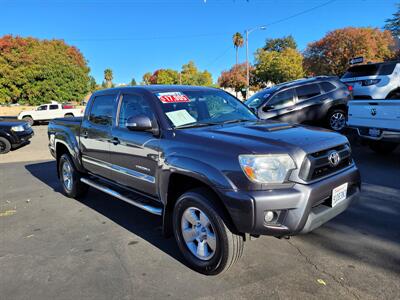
point(133, 37)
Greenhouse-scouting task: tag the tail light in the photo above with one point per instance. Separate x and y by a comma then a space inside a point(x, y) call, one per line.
point(350, 88)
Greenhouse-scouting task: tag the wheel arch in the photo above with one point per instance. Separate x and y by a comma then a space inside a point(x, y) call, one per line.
point(180, 182)
point(394, 92)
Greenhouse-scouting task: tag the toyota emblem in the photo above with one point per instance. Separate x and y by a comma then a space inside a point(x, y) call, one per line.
point(373, 111)
point(333, 158)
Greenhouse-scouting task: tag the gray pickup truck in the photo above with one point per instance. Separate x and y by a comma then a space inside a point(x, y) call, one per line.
point(204, 162)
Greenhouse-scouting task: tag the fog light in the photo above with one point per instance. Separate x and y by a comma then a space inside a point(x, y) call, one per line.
point(269, 216)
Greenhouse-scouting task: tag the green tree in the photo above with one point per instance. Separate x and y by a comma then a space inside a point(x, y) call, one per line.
point(92, 84)
point(237, 43)
point(133, 82)
point(393, 24)
point(278, 67)
point(331, 54)
point(36, 71)
point(190, 75)
point(280, 44)
point(108, 77)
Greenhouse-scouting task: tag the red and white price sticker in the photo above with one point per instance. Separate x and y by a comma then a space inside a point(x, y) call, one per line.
point(174, 97)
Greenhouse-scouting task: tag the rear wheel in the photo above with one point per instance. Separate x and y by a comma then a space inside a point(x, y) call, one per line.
point(28, 120)
point(68, 116)
point(202, 233)
point(337, 119)
point(70, 178)
point(5, 145)
point(382, 147)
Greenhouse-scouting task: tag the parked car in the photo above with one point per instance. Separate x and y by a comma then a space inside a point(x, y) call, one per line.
point(204, 162)
point(377, 121)
point(374, 81)
point(48, 112)
point(319, 100)
point(13, 134)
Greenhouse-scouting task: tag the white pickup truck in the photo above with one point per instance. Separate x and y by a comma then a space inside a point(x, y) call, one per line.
point(48, 112)
point(377, 121)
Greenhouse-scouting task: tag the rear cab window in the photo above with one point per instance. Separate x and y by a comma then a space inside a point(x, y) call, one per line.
point(370, 70)
point(307, 91)
point(102, 110)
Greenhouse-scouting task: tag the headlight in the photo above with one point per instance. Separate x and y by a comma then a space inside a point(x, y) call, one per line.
point(370, 82)
point(271, 168)
point(18, 128)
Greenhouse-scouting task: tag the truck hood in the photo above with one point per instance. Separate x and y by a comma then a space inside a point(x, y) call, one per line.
point(265, 136)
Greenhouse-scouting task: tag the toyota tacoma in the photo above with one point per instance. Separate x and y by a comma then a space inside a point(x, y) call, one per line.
point(200, 159)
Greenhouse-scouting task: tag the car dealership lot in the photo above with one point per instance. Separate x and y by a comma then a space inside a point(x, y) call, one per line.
point(102, 248)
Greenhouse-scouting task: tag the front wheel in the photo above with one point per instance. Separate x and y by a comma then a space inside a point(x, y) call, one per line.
point(337, 119)
point(202, 233)
point(70, 178)
point(5, 145)
point(381, 147)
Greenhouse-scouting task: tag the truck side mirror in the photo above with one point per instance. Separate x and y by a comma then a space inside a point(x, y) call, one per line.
point(139, 123)
point(268, 107)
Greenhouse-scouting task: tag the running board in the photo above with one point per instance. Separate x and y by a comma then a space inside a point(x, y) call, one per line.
point(151, 209)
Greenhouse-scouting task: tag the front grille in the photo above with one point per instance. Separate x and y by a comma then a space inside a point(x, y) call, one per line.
point(316, 165)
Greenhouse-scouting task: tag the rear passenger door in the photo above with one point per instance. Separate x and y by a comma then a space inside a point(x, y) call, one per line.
point(280, 106)
point(95, 135)
point(310, 99)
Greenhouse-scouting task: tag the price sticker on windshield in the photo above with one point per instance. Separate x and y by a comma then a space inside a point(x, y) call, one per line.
point(172, 97)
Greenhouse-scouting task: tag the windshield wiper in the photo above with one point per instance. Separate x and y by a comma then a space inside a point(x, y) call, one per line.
point(195, 124)
point(235, 121)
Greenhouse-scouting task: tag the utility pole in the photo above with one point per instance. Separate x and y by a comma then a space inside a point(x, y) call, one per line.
point(247, 32)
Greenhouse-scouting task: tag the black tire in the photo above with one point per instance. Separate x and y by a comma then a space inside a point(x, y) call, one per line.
point(336, 120)
point(68, 116)
point(394, 96)
point(76, 189)
point(228, 245)
point(5, 145)
point(381, 147)
point(28, 120)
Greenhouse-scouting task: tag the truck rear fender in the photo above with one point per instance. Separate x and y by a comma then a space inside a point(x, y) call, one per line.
point(65, 140)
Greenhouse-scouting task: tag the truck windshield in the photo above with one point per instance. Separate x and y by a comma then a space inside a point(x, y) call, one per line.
point(202, 108)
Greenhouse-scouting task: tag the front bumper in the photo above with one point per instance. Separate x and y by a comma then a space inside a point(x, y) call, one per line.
point(20, 138)
point(300, 208)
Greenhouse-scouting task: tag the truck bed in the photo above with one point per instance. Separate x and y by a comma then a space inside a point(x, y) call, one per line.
point(383, 114)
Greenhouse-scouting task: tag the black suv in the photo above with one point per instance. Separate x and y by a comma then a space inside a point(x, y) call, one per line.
point(318, 100)
point(13, 134)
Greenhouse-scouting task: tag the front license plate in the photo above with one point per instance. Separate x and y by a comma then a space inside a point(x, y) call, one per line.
point(339, 194)
point(374, 132)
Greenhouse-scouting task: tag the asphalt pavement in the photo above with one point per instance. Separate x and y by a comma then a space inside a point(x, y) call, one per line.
point(53, 247)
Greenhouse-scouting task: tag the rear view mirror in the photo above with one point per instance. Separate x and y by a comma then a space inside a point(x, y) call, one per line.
point(139, 123)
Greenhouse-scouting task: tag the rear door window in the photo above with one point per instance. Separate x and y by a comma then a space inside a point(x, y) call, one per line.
point(53, 106)
point(102, 109)
point(282, 99)
point(307, 91)
point(327, 86)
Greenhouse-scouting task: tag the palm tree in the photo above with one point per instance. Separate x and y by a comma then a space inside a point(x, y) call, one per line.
point(108, 76)
point(237, 43)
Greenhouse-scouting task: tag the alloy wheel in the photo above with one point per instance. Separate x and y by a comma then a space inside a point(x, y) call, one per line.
point(337, 121)
point(67, 175)
point(198, 233)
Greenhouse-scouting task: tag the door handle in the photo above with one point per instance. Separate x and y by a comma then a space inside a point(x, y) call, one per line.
point(290, 108)
point(115, 141)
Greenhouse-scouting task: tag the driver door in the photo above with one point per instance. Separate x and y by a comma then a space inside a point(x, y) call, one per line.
point(281, 106)
point(134, 154)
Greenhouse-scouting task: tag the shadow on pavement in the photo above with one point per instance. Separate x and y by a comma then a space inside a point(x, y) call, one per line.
point(137, 221)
